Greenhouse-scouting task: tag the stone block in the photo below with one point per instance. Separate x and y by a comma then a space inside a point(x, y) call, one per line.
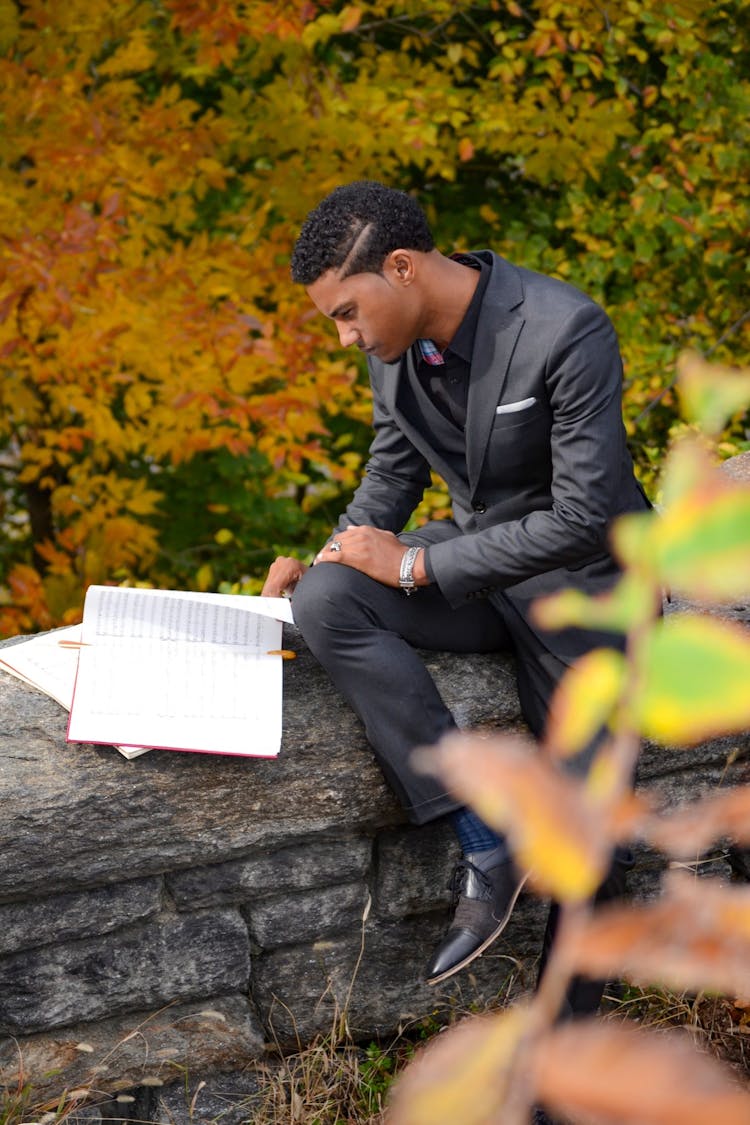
point(223, 1099)
point(378, 981)
point(60, 918)
point(414, 867)
point(150, 964)
point(307, 915)
point(142, 1048)
point(315, 863)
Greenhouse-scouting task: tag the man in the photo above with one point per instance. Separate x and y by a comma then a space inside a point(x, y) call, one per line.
point(507, 384)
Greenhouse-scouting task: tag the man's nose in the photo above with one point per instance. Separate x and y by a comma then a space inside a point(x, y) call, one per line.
point(348, 334)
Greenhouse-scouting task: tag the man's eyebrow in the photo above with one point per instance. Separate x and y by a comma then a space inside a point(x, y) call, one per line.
point(341, 308)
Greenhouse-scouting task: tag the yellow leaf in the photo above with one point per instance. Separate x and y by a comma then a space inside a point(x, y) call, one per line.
point(135, 55)
point(204, 577)
point(585, 700)
point(462, 1076)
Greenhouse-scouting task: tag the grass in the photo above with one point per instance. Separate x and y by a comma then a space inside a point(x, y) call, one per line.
point(719, 1025)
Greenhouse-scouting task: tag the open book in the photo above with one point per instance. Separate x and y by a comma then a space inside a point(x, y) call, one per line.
point(180, 671)
point(166, 668)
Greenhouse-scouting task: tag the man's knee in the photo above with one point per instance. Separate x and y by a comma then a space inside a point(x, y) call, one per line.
point(323, 597)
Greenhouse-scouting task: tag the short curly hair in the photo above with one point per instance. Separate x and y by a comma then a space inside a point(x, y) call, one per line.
point(356, 227)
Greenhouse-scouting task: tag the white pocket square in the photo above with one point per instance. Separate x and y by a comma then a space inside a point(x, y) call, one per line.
point(512, 407)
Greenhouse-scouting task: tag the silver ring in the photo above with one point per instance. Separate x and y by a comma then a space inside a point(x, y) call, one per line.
point(335, 545)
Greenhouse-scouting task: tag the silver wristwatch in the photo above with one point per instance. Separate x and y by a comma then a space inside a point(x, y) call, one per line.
point(406, 573)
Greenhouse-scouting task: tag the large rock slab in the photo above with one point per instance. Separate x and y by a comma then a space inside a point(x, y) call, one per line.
point(86, 815)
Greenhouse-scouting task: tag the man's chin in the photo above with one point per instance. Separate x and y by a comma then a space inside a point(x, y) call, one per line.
point(385, 357)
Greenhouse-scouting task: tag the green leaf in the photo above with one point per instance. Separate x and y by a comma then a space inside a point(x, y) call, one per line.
point(701, 544)
point(694, 680)
point(711, 393)
point(632, 538)
point(630, 602)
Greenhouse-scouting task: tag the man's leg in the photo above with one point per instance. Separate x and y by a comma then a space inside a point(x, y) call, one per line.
point(538, 673)
point(365, 634)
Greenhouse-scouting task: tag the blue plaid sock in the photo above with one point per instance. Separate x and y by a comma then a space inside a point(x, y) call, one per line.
point(473, 834)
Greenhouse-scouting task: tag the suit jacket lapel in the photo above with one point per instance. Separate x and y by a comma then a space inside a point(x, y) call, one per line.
point(499, 326)
point(430, 443)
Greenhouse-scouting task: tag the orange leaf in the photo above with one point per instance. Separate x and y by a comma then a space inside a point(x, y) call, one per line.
point(696, 936)
point(618, 1075)
point(558, 830)
point(689, 831)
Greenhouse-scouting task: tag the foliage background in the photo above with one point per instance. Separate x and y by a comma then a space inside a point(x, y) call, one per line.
point(170, 410)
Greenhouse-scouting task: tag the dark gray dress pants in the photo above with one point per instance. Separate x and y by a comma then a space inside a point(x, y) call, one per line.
point(366, 635)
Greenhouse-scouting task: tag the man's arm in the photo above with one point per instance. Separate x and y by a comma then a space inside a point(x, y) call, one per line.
point(396, 476)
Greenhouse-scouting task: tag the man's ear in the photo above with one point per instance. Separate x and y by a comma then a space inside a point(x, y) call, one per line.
point(399, 266)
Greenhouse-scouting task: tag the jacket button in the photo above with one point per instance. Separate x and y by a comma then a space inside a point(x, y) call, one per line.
point(479, 506)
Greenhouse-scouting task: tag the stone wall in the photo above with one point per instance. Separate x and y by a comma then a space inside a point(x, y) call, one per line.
point(162, 919)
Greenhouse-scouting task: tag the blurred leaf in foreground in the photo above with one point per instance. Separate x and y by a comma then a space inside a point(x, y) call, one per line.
point(695, 937)
point(700, 544)
point(694, 680)
point(462, 1075)
point(629, 603)
point(557, 828)
point(689, 831)
point(710, 393)
point(612, 1074)
point(584, 700)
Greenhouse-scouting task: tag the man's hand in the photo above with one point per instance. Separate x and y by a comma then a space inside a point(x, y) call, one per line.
point(283, 576)
point(376, 553)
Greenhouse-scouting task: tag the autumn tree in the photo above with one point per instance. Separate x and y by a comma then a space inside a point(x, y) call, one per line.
point(170, 410)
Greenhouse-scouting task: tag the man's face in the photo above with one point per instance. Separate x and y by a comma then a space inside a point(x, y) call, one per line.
point(374, 311)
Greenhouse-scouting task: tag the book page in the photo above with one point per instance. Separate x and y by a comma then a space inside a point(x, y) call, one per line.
point(115, 611)
point(179, 671)
point(49, 662)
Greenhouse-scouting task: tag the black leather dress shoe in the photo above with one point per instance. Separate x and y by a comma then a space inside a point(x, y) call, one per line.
point(484, 902)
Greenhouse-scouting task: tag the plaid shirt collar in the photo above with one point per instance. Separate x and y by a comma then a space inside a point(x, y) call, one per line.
point(431, 353)
point(462, 343)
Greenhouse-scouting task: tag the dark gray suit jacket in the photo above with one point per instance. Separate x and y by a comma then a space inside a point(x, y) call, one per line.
point(542, 468)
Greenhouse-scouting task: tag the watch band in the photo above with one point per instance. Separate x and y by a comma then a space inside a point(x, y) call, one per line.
point(406, 573)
